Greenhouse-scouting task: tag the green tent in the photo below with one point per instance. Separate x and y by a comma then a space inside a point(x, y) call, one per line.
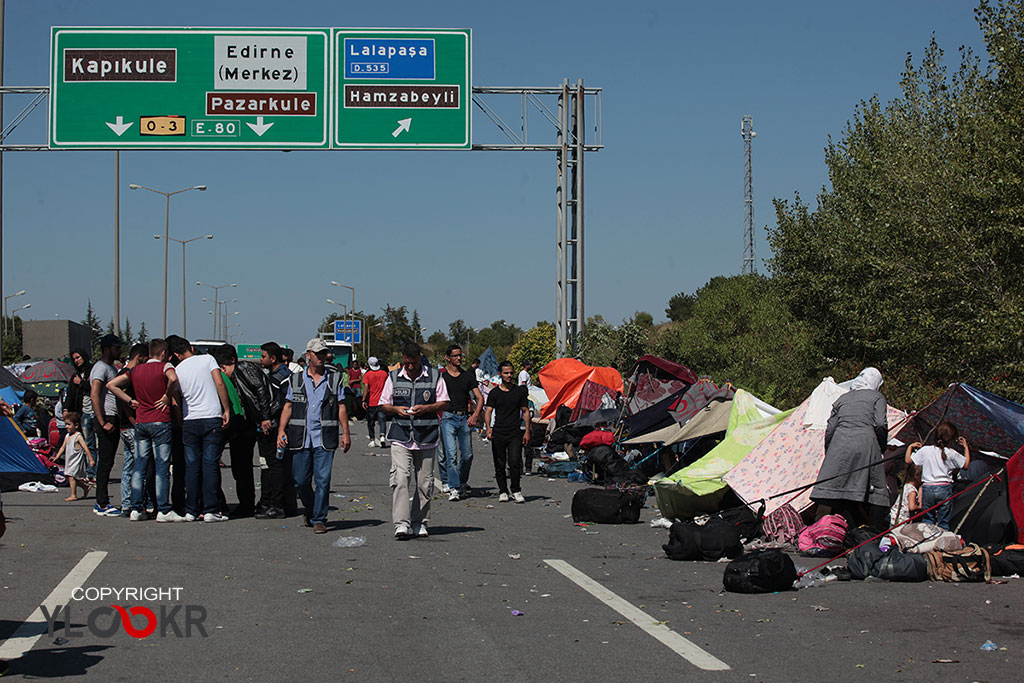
point(699, 487)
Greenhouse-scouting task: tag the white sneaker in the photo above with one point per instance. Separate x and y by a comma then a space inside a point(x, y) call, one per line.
point(171, 516)
point(421, 530)
point(453, 496)
point(503, 498)
point(214, 517)
point(383, 442)
point(403, 532)
point(373, 443)
point(518, 497)
point(136, 516)
point(189, 517)
point(445, 488)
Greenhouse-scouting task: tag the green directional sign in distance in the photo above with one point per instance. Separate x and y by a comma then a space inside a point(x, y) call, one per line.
point(230, 88)
point(402, 88)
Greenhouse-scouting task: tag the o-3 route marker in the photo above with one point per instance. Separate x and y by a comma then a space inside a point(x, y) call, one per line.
point(256, 88)
point(402, 88)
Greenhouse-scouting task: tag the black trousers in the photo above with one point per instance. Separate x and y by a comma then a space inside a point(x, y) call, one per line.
point(277, 488)
point(242, 442)
point(107, 443)
point(374, 417)
point(507, 452)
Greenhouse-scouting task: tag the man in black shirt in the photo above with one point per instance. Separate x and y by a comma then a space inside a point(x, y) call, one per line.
point(509, 404)
point(456, 425)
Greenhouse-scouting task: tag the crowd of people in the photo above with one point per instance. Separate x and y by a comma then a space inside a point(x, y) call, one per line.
point(173, 411)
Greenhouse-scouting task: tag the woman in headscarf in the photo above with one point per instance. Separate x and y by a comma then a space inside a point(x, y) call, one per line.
point(855, 437)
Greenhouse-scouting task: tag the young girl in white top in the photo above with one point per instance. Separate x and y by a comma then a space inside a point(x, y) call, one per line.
point(938, 463)
point(909, 502)
point(75, 452)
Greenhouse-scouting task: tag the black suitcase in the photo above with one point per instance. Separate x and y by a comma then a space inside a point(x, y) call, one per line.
point(760, 571)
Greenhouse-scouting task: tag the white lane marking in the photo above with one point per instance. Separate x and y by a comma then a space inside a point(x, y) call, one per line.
point(33, 628)
point(675, 642)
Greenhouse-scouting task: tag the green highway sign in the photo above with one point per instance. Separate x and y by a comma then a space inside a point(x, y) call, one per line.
point(401, 88)
point(249, 352)
point(188, 88)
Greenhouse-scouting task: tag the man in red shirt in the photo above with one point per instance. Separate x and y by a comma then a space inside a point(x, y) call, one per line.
point(373, 382)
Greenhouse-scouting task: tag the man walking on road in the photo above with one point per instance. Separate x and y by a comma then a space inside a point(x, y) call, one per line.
point(413, 395)
point(524, 375)
point(277, 490)
point(108, 434)
point(373, 385)
point(509, 405)
point(314, 423)
point(207, 411)
point(457, 422)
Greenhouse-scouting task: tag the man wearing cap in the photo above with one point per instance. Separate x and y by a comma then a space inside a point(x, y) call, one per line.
point(108, 434)
point(413, 395)
point(373, 385)
point(313, 424)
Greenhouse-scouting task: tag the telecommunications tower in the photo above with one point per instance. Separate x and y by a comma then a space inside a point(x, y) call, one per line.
point(749, 256)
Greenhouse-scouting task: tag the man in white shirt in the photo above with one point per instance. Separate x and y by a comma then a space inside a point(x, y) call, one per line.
point(524, 375)
point(206, 413)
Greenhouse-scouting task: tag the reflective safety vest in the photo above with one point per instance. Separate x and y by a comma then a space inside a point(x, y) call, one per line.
point(409, 393)
point(296, 429)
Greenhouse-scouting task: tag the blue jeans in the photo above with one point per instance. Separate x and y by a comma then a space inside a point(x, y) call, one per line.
point(203, 440)
point(930, 495)
point(127, 466)
point(152, 440)
point(89, 434)
point(313, 465)
point(455, 432)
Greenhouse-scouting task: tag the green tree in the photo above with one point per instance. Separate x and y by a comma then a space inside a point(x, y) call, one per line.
point(126, 332)
point(537, 345)
point(12, 347)
point(143, 336)
point(643, 319)
point(417, 329)
point(92, 322)
point(679, 307)
point(599, 343)
point(460, 333)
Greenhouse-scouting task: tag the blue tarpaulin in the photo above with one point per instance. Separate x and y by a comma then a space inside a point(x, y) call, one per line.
point(18, 463)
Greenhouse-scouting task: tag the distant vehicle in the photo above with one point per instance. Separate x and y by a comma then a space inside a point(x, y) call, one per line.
point(207, 345)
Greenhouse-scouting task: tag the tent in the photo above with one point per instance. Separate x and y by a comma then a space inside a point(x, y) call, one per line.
point(592, 397)
point(489, 363)
point(711, 419)
point(653, 379)
point(48, 371)
point(18, 463)
point(653, 417)
point(700, 486)
point(563, 380)
point(537, 397)
point(986, 514)
point(701, 393)
point(790, 457)
point(7, 379)
point(9, 395)
point(990, 423)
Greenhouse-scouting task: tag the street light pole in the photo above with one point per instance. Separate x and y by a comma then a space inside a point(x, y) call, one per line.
point(344, 308)
point(352, 309)
point(14, 328)
point(9, 296)
point(184, 318)
point(216, 301)
point(167, 229)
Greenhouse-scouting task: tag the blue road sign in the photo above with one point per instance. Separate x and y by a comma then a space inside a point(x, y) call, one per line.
point(348, 331)
point(398, 58)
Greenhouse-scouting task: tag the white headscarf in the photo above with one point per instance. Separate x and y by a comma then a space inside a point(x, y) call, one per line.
point(869, 378)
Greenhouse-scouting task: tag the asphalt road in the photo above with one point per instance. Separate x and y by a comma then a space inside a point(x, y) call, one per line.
point(282, 603)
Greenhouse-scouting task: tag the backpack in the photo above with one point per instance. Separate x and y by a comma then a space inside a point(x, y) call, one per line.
point(760, 571)
point(1006, 560)
point(716, 539)
point(606, 506)
point(746, 523)
point(970, 565)
point(827, 534)
point(921, 537)
point(783, 525)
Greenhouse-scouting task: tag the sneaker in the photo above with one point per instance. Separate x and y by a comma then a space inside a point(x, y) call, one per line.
point(189, 517)
point(136, 516)
point(373, 443)
point(110, 511)
point(383, 442)
point(270, 513)
point(319, 528)
point(518, 497)
point(453, 496)
point(214, 517)
point(403, 532)
point(420, 530)
point(445, 488)
point(503, 498)
point(171, 516)
point(465, 490)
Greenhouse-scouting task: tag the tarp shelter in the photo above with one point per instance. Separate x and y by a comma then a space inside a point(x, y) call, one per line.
point(653, 417)
point(990, 423)
point(703, 392)
point(592, 397)
point(594, 417)
point(653, 379)
point(48, 389)
point(992, 513)
point(711, 419)
point(537, 397)
point(7, 379)
point(700, 487)
point(489, 363)
point(18, 463)
point(8, 394)
point(563, 380)
point(789, 457)
point(48, 371)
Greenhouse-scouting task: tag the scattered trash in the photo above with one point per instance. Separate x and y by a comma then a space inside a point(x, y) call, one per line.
point(305, 590)
point(820, 608)
point(489, 507)
point(545, 595)
point(513, 556)
point(339, 495)
point(989, 646)
point(516, 613)
point(813, 579)
point(661, 522)
point(945, 661)
point(37, 487)
point(60, 641)
point(349, 542)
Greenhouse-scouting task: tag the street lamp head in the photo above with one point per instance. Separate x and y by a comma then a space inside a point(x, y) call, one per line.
point(158, 237)
point(233, 284)
point(209, 237)
point(198, 284)
point(133, 186)
point(201, 188)
point(18, 293)
point(335, 283)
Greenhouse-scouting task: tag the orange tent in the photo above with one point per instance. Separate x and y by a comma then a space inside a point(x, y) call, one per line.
point(563, 380)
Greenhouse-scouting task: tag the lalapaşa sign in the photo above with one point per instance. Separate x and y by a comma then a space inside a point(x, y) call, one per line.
point(259, 88)
point(123, 88)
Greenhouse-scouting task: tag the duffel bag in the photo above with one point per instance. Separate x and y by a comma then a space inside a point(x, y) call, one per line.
point(896, 565)
point(861, 561)
point(972, 564)
point(760, 571)
point(711, 542)
point(606, 506)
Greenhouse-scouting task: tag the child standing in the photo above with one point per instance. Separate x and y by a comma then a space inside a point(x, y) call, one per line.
point(938, 463)
point(75, 452)
point(909, 502)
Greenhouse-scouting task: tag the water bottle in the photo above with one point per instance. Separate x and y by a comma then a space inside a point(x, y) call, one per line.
point(280, 448)
point(886, 543)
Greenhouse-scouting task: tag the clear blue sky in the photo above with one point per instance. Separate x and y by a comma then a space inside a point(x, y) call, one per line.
point(464, 234)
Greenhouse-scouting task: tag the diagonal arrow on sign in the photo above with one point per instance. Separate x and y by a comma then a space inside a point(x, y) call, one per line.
point(403, 125)
point(259, 127)
point(119, 126)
